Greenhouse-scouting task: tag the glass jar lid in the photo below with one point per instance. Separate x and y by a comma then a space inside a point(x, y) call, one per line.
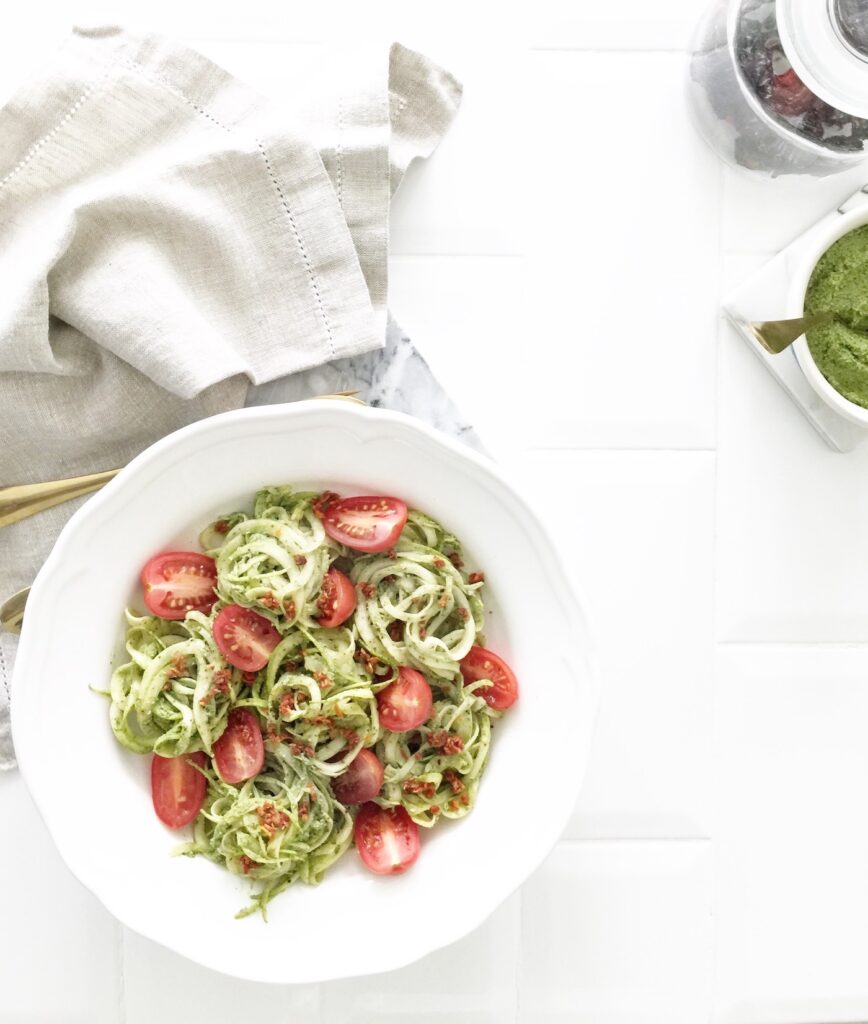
point(826, 41)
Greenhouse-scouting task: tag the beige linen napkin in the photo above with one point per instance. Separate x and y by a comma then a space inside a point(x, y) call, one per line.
point(168, 238)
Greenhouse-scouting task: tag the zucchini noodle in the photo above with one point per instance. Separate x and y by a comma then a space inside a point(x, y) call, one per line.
point(275, 561)
point(319, 699)
point(174, 694)
point(316, 698)
point(434, 771)
point(282, 826)
point(415, 605)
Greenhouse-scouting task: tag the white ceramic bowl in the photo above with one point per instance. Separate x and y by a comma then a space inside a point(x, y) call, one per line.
point(801, 275)
point(95, 797)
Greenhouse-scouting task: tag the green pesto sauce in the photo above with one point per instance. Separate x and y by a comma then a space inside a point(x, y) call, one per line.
point(839, 284)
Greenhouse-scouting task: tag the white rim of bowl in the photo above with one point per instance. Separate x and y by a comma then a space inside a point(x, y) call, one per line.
point(406, 952)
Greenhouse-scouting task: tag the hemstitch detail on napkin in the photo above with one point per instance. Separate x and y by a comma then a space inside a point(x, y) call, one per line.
point(302, 249)
point(67, 117)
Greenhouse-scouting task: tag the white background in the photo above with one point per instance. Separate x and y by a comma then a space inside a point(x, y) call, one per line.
point(560, 261)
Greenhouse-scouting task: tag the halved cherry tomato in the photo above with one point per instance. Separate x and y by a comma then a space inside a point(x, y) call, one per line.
point(483, 664)
point(179, 582)
point(177, 788)
point(366, 523)
point(244, 638)
point(337, 599)
point(239, 753)
point(387, 839)
point(361, 781)
point(406, 703)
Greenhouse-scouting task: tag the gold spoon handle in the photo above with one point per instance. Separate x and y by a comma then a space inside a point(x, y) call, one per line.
point(24, 500)
point(777, 335)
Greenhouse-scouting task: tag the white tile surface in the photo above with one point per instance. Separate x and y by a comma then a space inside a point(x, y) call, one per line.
point(625, 258)
point(473, 980)
point(59, 959)
point(792, 837)
point(618, 932)
point(791, 514)
point(628, 25)
point(649, 588)
point(760, 216)
point(161, 986)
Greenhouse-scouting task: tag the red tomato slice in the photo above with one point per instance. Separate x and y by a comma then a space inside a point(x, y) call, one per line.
point(179, 582)
point(361, 781)
point(337, 599)
point(406, 703)
point(387, 839)
point(177, 788)
point(239, 753)
point(244, 638)
point(366, 523)
point(483, 664)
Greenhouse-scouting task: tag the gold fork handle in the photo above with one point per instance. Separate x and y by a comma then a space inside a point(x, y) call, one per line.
point(24, 500)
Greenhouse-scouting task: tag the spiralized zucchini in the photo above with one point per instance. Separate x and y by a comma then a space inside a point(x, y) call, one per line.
point(317, 697)
point(282, 826)
point(174, 694)
point(434, 771)
point(274, 561)
point(415, 606)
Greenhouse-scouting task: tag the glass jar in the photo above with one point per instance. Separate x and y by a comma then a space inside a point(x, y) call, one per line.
point(782, 87)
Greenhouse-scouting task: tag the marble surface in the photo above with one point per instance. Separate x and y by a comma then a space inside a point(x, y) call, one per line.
point(395, 377)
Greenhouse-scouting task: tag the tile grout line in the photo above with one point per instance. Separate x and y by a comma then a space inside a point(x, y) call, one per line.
point(825, 644)
point(669, 840)
point(122, 988)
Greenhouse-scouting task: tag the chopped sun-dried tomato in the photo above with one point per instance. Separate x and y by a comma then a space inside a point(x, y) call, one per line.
point(271, 820)
point(456, 560)
point(221, 526)
point(425, 789)
point(439, 563)
point(464, 614)
point(247, 864)
point(476, 577)
point(454, 780)
point(321, 503)
point(300, 560)
point(289, 609)
point(269, 600)
point(448, 742)
point(367, 589)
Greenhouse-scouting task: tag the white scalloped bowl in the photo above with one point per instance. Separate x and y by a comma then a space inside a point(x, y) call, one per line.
point(95, 797)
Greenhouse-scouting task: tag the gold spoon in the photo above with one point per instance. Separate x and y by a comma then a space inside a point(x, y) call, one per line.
point(24, 500)
point(12, 611)
point(777, 335)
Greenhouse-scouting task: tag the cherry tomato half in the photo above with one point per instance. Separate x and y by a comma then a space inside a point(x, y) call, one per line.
point(367, 523)
point(337, 599)
point(244, 638)
point(239, 753)
point(177, 788)
point(179, 582)
point(406, 703)
point(483, 664)
point(387, 839)
point(361, 781)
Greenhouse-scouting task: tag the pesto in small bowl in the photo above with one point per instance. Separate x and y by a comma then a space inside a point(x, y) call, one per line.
point(839, 285)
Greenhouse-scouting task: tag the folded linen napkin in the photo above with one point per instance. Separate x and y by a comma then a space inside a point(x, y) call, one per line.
point(167, 240)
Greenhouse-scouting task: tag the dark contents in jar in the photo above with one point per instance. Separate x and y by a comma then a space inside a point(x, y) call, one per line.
point(783, 95)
